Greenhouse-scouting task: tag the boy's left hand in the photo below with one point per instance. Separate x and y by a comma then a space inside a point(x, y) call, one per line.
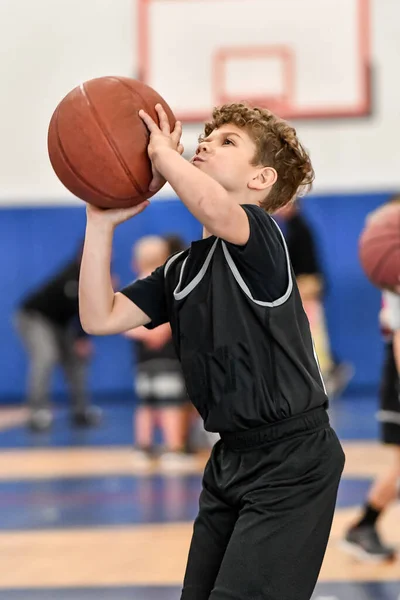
point(161, 137)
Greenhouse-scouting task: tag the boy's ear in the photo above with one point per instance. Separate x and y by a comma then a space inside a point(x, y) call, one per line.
point(265, 178)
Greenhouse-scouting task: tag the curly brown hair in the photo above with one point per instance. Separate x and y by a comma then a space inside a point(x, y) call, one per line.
point(277, 146)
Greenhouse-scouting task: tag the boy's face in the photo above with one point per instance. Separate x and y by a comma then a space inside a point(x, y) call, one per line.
point(226, 155)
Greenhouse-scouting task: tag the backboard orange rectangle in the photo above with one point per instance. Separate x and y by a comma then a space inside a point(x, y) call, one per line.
point(301, 58)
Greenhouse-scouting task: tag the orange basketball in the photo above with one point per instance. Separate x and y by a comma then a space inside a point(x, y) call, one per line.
point(97, 142)
point(379, 247)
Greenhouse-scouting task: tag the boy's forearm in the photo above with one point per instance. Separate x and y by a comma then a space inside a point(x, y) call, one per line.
point(96, 294)
point(204, 197)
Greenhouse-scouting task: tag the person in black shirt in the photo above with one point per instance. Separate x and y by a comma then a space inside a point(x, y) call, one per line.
point(48, 323)
point(301, 243)
point(244, 343)
point(305, 258)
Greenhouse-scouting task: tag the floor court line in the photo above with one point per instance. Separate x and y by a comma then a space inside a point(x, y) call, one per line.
point(74, 534)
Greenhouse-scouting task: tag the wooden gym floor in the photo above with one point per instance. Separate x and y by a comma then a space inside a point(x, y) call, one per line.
point(79, 522)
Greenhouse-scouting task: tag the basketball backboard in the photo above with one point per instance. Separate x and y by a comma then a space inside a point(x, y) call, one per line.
point(300, 58)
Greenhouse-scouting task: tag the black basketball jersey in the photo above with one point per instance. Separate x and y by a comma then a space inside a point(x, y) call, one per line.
point(57, 298)
point(246, 362)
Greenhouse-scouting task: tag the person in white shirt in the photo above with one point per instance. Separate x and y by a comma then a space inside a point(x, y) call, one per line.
point(363, 539)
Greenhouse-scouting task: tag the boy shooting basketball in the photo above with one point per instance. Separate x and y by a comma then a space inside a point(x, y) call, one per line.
point(244, 342)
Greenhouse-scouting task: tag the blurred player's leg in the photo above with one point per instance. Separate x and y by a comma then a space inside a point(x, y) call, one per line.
point(41, 344)
point(144, 428)
point(336, 375)
point(386, 489)
point(171, 423)
point(143, 433)
point(316, 317)
point(74, 362)
point(363, 539)
point(143, 420)
point(170, 395)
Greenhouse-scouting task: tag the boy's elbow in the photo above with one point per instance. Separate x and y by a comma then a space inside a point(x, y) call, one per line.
point(96, 330)
point(91, 327)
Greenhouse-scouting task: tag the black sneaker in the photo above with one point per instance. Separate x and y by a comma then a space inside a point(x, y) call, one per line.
point(364, 543)
point(90, 417)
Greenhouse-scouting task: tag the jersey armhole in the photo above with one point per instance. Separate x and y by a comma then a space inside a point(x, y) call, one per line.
point(242, 284)
point(171, 260)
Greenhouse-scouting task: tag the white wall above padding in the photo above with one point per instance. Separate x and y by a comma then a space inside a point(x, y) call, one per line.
point(47, 47)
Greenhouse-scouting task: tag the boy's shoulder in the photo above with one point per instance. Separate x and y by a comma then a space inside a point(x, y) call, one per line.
point(263, 226)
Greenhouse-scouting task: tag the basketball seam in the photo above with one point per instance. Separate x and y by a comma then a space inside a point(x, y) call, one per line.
point(77, 174)
point(133, 92)
point(148, 110)
point(111, 143)
point(387, 232)
point(372, 243)
point(122, 82)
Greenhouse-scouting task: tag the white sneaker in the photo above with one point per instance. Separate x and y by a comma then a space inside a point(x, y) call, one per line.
point(177, 462)
point(40, 420)
point(141, 459)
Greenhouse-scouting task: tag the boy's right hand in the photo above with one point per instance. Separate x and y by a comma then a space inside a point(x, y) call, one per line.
point(161, 136)
point(113, 216)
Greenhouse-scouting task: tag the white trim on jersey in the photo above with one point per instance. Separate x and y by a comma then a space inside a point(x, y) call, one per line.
point(178, 293)
point(245, 288)
point(318, 365)
point(171, 260)
point(277, 302)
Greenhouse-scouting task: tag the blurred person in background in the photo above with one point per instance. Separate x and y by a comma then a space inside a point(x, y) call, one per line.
point(48, 324)
point(305, 259)
point(159, 383)
point(196, 437)
point(362, 539)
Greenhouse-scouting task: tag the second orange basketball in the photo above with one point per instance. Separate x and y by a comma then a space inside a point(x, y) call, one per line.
point(97, 142)
point(379, 247)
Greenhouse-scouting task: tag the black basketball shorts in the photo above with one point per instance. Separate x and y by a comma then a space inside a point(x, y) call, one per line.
point(389, 413)
point(159, 383)
point(265, 514)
